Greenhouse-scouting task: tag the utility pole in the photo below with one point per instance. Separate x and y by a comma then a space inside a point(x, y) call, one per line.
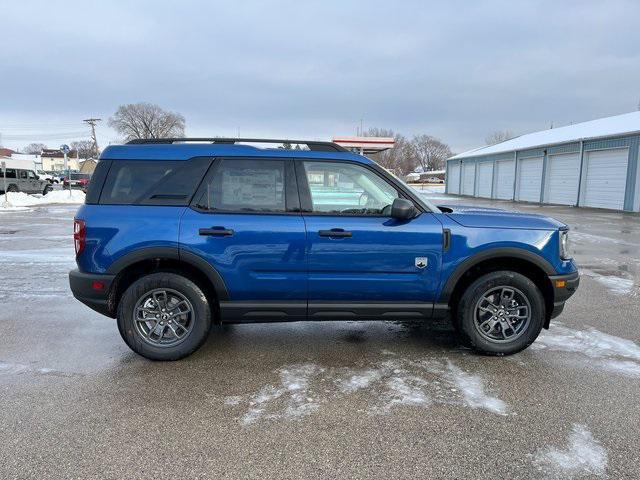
point(92, 122)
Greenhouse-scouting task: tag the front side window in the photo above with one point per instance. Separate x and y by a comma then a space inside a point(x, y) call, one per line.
point(31, 175)
point(347, 189)
point(245, 186)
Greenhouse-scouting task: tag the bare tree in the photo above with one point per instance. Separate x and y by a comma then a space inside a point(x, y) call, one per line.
point(430, 152)
point(34, 148)
point(498, 136)
point(146, 120)
point(401, 159)
point(85, 148)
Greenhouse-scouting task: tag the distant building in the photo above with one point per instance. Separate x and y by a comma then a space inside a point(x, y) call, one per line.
point(53, 160)
point(88, 166)
point(590, 164)
point(6, 152)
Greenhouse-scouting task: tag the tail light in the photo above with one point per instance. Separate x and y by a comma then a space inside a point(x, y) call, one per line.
point(79, 235)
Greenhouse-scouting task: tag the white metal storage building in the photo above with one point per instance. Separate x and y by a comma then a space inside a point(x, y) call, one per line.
point(590, 164)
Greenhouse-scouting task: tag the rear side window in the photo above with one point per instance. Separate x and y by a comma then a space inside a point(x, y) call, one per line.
point(245, 186)
point(11, 173)
point(153, 182)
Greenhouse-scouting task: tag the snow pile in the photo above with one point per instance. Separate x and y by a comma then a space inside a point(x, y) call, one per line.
point(20, 200)
point(584, 455)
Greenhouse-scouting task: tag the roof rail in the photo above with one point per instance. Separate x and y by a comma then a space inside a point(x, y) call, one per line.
point(312, 144)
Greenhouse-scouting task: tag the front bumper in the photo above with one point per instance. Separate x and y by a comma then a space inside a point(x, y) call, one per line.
point(83, 286)
point(563, 287)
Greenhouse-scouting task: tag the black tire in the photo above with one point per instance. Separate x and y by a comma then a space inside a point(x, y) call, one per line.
point(12, 188)
point(130, 329)
point(465, 316)
point(47, 189)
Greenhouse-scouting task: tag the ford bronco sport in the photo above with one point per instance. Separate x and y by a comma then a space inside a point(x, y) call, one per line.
point(177, 234)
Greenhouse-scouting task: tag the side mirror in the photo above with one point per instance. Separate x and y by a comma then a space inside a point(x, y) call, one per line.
point(403, 209)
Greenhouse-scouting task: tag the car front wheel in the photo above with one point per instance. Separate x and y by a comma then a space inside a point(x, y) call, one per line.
point(164, 316)
point(500, 313)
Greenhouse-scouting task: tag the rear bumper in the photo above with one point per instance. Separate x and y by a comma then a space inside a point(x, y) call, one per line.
point(82, 286)
point(564, 286)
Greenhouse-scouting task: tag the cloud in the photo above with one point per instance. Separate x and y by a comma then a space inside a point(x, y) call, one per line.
point(456, 70)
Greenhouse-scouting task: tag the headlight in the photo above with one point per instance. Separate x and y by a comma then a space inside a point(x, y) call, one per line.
point(564, 245)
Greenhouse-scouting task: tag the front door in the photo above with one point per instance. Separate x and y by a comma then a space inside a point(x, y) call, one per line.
point(245, 221)
point(362, 262)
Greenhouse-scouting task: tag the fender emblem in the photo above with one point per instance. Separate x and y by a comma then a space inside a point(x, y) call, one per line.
point(421, 262)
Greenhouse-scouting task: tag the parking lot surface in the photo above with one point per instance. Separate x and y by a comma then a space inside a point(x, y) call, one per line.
point(317, 400)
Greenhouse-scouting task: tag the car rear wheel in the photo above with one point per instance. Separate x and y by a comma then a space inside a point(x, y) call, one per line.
point(164, 316)
point(12, 188)
point(501, 313)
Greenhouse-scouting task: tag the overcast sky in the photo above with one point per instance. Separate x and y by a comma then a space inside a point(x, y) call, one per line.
point(455, 70)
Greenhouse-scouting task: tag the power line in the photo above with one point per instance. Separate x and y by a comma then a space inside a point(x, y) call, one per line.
point(45, 136)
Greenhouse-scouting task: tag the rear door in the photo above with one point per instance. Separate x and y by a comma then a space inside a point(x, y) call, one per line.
point(362, 262)
point(245, 221)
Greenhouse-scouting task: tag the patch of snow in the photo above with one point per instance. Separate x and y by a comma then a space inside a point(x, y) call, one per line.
point(625, 367)
point(610, 352)
point(293, 390)
point(406, 389)
point(52, 255)
point(619, 286)
point(591, 238)
point(20, 200)
point(473, 391)
point(583, 455)
point(430, 188)
point(303, 389)
point(7, 368)
point(360, 381)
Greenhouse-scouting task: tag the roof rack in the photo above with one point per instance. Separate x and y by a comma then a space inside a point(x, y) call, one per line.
point(312, 144)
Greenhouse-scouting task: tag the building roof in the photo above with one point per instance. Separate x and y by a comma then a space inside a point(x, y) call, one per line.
point(603, 127)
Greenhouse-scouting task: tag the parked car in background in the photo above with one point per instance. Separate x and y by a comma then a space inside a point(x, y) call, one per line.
point(77, 181)
point(48, 176)
point(175, 237)
point(20, 180)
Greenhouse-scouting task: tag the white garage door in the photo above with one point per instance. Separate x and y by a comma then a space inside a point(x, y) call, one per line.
point(505, 175)
point(485, 179)
point(468, 178)
point(563, 179)
point(453, 178)
point(606, 178)
point(529, 179)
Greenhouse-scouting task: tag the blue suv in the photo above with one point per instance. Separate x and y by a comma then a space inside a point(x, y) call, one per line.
point(177, 234)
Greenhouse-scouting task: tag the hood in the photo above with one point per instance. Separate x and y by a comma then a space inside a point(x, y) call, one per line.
point(483, 217)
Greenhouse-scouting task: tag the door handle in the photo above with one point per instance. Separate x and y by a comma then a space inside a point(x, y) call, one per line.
point(216, 232)
point(335, 232)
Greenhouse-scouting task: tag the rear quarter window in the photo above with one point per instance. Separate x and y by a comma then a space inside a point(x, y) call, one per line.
point(97, 180)
point(152, 182)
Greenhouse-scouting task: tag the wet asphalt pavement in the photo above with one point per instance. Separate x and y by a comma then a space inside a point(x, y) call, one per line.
point(318, 400)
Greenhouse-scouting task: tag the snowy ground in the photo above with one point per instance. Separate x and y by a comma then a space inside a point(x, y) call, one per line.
point(20, 201)
point(317, 400)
